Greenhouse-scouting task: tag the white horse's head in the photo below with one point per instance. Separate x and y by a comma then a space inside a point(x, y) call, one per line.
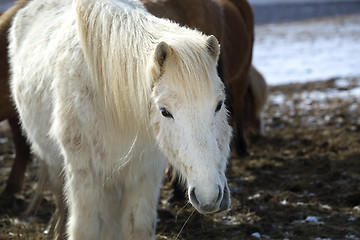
point(190, 120)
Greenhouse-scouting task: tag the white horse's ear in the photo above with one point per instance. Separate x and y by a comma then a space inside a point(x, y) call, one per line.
point(213, 46)
point(161, 52)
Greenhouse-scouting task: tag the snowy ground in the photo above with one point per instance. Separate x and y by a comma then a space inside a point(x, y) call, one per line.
point(308, 50)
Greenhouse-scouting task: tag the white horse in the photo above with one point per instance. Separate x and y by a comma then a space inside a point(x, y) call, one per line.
point(106, 92)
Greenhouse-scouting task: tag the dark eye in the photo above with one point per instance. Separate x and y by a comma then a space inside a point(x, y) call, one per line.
point(218, 107)
point(166, 113)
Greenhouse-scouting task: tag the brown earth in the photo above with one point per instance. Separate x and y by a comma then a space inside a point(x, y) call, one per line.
point(301, 179)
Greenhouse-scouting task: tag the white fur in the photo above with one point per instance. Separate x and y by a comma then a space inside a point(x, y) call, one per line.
point(89, 86)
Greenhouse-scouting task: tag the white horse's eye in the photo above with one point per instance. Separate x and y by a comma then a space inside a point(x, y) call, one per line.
point(166, 113)
point(218, 107)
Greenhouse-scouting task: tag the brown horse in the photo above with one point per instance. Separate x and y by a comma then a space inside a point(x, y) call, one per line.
point(232, 22)
point(8, 111)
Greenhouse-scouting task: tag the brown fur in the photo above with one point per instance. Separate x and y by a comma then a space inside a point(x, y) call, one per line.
point(238, 44)
point(232, 22)
point(7, 109)
point(192, 13)
point(257, 95)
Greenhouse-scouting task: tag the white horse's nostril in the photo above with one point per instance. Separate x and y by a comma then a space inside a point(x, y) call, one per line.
point(193, 198)
point(226, 201)
point(220, 196)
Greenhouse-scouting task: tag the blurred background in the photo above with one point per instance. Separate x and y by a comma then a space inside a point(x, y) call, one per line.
point(301, 178)
point(307, 40)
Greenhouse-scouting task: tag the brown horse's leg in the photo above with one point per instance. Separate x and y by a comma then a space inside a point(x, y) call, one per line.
point(237, 108)
point(239, 118)
point(253, 120)
point(240, 141)
point(16, 178)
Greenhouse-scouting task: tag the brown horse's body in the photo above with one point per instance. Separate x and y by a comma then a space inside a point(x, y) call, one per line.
point(232, 22)
point(7, 109)
point(190, 13)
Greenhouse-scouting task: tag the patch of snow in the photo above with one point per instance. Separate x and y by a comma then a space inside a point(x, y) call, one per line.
point(259, 236)
point(357, 209)
point(255, 196)
point(230, 220)
point(342, 83)
point(256, 235)
point(277, 99)
point(351, 236)
point(4, 140)
point(311, 220)
point(3, 123)
point(311, 96)
point(319, 97)
point(326, 207)
point(308, 50)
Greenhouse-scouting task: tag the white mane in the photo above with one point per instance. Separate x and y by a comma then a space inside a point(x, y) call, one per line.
point(126, 40)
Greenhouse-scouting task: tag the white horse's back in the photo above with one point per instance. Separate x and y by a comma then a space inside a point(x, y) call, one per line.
point(104, 91)
point(31, 52)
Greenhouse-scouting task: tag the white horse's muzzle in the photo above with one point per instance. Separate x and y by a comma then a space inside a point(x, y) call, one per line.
point(206, 203)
